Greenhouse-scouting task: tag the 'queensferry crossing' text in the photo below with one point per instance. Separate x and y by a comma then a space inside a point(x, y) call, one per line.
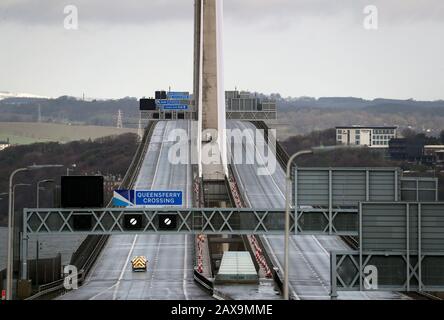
point(172, 198)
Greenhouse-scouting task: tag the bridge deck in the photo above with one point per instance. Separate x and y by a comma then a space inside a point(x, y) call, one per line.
point(170, 257)
point(309, 255)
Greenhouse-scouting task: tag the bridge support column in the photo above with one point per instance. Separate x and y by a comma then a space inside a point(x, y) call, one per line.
point(209, 89)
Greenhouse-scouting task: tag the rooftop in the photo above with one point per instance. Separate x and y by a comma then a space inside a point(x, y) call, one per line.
point(237, 267)
point(367, 127)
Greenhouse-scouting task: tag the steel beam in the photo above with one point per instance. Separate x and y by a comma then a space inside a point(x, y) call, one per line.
point(188, 221)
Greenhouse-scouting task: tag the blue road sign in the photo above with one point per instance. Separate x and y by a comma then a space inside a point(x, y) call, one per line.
point(172, 104)
point(175, 107)
point(178, 95)
point(123, 198)
point(168, 102)
point(158, 198)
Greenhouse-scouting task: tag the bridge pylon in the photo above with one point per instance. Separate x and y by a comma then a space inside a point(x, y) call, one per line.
point(209, 91)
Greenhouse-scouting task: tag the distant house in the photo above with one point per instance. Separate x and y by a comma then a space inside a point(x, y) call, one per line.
point(436, 152)
point(372, 137)
point(4, 144)
point(415, 149)
point(407, 149)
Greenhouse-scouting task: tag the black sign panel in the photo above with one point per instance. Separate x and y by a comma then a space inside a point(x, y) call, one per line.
point(82, 192)
point(133, 222)
point(167, 222)
point(148, 104)
point(82, 223)
point(161, 95)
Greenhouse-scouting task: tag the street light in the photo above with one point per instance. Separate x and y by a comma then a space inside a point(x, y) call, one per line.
point(287, 216)
point(287, 202)
point(13, 195)
point(11, 223)
point(68, 169)
point(13, 202)
point(38, 189)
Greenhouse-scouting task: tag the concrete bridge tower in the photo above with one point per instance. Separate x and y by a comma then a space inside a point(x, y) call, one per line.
point(209, 91)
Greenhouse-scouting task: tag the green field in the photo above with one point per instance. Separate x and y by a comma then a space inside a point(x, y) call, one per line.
point(29, 132)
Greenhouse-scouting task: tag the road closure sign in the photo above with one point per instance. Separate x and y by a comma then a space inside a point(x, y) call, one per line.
point(131, 198)
point(158, 198)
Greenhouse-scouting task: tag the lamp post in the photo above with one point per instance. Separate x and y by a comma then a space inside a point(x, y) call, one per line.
point(288, 200)
point(9, 272)
point(68, 169)
point(13, 210)
point(13, 196)
point(38, 190)
point(287, 216)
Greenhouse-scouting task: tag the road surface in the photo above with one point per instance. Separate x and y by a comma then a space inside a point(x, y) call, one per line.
point(309, 255)
point(170, 258)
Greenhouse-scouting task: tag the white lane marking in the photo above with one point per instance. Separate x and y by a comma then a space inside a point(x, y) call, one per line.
point(124, 267)
point(154, 266)
point(293, 292)
point(160, 153)
point(185, 264)
point(321, 246)
point(363, 293)
point(102, 292)
point(309, 265)
point(263, 161)
point(116, 285)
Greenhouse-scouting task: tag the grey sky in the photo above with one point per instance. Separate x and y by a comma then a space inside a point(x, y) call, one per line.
point(295, 47)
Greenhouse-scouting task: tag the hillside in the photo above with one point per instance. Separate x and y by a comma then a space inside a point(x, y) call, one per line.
point(30, 132)
point(296, 115)
point(70, 110)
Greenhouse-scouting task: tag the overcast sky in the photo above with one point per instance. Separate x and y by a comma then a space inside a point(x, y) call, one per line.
point(294, 47)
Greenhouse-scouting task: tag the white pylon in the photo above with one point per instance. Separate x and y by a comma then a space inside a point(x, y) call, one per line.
point(119, 120)
point(39, 114)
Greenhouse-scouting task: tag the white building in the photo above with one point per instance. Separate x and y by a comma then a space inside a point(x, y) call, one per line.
point(372, 137)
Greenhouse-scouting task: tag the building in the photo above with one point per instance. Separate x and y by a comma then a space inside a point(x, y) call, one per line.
point(415, 149)
point(243, 105)
point(4, 144)
point(372, 137)
point(435, 153)
point(406, 149)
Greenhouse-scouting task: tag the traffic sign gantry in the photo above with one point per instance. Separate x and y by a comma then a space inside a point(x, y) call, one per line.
point(165, 220)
